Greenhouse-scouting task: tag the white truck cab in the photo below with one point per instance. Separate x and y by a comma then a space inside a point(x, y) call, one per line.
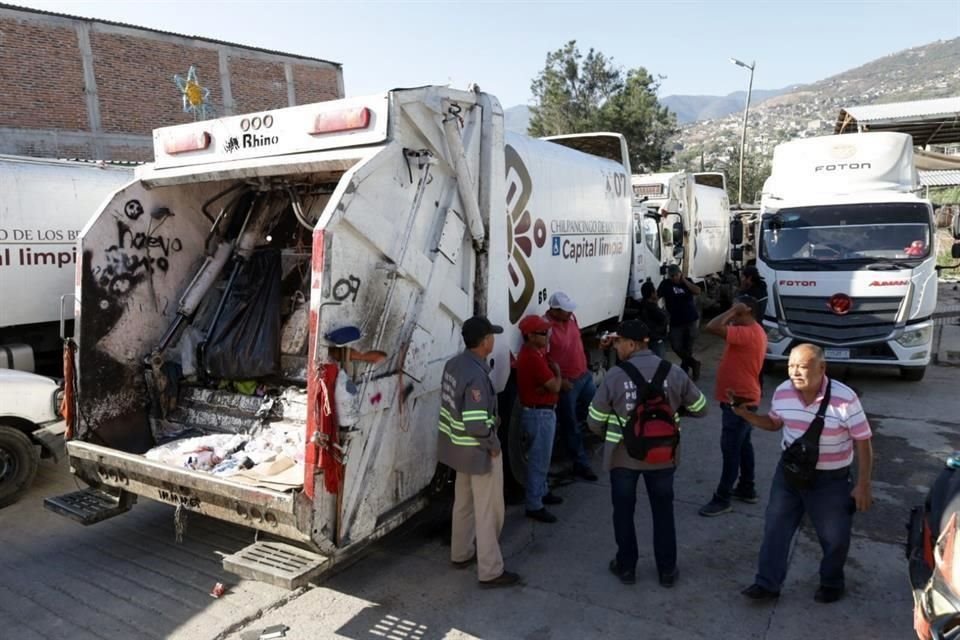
point(849, 251)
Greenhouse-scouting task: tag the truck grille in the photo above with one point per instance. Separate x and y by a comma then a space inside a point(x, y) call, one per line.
point(868, 319)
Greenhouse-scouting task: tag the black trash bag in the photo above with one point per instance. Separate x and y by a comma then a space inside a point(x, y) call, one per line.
point(245, 342)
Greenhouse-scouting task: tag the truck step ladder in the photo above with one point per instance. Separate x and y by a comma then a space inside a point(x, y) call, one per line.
point(89, 506)
point(276, 563)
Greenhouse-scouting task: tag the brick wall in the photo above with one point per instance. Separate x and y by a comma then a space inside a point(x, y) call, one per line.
point(313, 84)
point(48, 60)
point(41, 76)
point(135, 83)
point(260, 85)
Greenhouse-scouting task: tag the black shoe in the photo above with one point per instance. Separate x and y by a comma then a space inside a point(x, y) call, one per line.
point(714, 508)
point(463, 564)
point(626, 577)
point(756, 592)
point(826, 595)
point(585, 473)
point(695, 370)
point(750, 497)
point(505, 579)
point(551, 498)
point(542, 515)
point(668, 579)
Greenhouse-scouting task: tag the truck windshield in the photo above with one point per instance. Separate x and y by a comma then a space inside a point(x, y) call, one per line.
point(852, 236)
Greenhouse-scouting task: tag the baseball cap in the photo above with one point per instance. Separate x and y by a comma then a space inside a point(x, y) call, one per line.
point(560, 300)
point(477, 328)
point(632, 330)
point(673, 269)
point(533, 324)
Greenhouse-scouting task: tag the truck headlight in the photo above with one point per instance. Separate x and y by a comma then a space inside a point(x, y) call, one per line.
point(58, 402)
point(773, 334)
point(915, 337)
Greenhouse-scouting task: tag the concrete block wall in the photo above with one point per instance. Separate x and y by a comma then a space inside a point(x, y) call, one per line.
point(79, 88)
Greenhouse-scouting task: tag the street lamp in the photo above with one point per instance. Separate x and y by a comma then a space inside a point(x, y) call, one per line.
point(743, 133)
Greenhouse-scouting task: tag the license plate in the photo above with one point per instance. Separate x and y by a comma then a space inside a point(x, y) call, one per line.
point(837, 354)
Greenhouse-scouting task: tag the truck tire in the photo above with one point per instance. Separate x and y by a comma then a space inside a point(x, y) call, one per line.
point(19, 460)
point(912, 374)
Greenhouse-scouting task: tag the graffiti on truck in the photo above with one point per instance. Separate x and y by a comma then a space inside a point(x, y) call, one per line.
point(135, 255)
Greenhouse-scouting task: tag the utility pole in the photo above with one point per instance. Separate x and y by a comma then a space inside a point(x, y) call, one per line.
point(743, 132)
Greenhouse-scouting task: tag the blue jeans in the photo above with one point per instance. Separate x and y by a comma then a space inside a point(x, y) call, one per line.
point(571, 411)
point(623, 486)
point(737, 450)
point(829, 505)
point(540, 425)
point(659, 348)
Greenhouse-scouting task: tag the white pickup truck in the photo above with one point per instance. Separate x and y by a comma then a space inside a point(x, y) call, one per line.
point(30, 428)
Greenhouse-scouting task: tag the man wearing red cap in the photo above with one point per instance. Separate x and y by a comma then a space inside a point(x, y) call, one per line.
point(538, 383)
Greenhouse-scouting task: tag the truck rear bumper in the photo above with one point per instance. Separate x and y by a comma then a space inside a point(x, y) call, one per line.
point(284, 514)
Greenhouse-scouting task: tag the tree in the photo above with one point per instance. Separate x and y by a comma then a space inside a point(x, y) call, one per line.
point(756, 169)
point(576, 94)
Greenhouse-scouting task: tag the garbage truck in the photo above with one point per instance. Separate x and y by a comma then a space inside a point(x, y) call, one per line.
point(849, 250)
point(44, 204)
point(684, 219)
point(265, 343)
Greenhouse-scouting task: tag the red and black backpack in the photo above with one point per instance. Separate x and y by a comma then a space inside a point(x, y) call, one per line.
point(651, 433)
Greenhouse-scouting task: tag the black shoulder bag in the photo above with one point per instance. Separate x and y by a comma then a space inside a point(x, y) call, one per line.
point(800, 458)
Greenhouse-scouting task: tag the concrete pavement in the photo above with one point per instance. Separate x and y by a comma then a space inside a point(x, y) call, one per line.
point(127, 578)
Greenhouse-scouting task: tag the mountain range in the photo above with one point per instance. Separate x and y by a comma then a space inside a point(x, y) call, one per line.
point(707, 122)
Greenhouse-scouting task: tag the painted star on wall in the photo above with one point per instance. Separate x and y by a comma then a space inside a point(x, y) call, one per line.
point(194, 95)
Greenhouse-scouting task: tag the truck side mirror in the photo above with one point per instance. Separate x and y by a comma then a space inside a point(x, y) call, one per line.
point(736, 231)
point(678, 253)
point(955, 251)
point(955, 225)
point(736, 254)
point(678, 234)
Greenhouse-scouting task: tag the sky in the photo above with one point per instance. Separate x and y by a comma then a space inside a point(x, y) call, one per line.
point(502, 46)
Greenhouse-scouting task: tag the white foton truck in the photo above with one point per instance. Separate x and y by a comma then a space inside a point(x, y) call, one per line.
point(304, 272)
point(849, 251)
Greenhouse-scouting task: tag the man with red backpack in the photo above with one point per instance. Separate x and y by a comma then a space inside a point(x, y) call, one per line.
point(635, 410)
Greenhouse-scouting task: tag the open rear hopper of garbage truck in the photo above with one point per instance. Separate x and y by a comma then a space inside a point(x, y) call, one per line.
point(263, 315)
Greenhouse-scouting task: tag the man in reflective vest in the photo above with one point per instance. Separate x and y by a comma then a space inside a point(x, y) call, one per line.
point(468, 444)
point(615, 401)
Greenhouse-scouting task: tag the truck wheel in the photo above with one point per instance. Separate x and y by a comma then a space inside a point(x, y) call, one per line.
point(18, 464)
point(912, 374)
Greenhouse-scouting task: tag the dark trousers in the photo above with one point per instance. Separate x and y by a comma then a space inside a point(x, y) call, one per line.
point(682, 338)
point(737, 450)
point(829, 505)
point(623, 486)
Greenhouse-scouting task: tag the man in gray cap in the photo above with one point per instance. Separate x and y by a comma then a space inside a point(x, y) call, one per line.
point(469, 445)
point(577, 387)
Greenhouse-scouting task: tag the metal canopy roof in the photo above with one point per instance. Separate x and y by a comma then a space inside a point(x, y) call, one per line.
point(928, 121)
point(945, 178)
